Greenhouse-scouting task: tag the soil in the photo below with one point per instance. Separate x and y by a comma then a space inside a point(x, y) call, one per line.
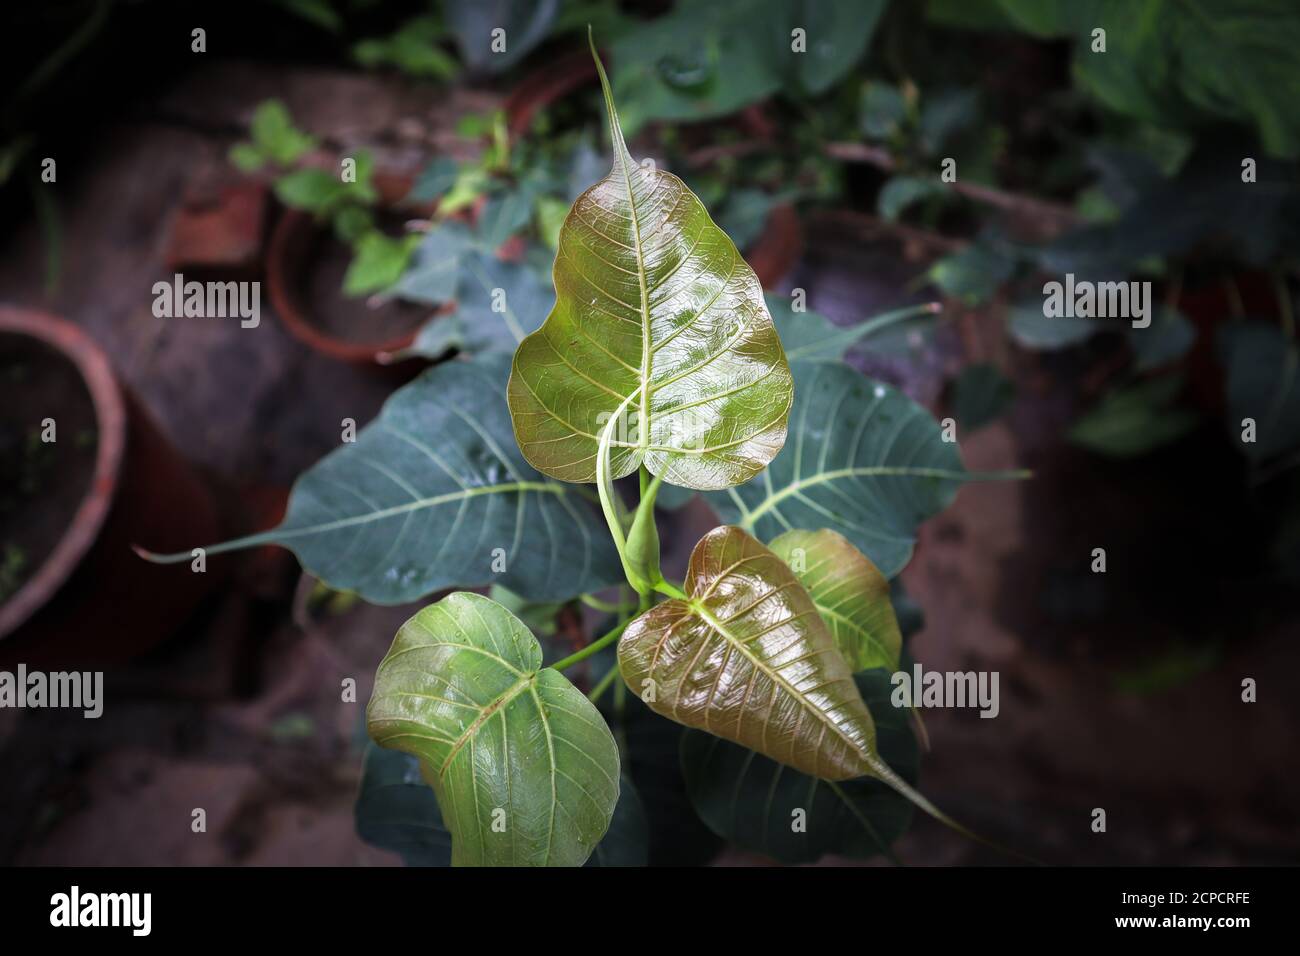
point(347, 318)
point(41, 483)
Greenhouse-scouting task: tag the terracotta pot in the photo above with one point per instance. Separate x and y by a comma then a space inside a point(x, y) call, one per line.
point(295, 245)
point(91, 601)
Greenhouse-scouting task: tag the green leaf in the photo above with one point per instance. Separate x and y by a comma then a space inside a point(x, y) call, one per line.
point(697, 62)
point(1168, 338)
point(1134, 419)
point(472, 22)
point(1028, 326)
point(435, 271)
point(944, 114)
point(656, 314)
point(378, 262)
point(433, 494)
point(850, 594)
point(883, 111)
point(1263, 371)
point(981, 394)
point(396, 810)
point(972, 275)
point(550, 214)
point(524, 768)
point(746, 657)
point(810, 336)
point(504, 214)
point(900, 192)
point(751, 801)
point(245, 157)
point(865, 460)
point(1184, 64)
point(412, 48)
point(275, 136)
point(497, 304)
point(312, 190)
point(435, 179)
point(837, 36)
point(745, 214)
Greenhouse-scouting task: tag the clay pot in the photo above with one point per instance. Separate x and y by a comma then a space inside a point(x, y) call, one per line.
point(303, 252)
point(89, 601)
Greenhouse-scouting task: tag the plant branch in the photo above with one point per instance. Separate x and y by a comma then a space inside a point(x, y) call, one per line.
point(988, 195)
point(595, 647)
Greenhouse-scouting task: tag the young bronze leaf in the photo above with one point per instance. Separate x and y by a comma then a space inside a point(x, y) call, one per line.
point(654, 308)
point(524, 768)
point(747, 657)
point(851, 595)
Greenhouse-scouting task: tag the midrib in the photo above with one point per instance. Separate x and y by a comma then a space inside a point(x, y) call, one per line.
point(821, 717)
point(647, 356)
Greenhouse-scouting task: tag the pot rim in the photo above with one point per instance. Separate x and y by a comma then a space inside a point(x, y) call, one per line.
point(110, 421)
point(280, 265)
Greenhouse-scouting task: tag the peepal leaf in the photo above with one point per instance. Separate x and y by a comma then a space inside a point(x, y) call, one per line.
point(850, 594)
point(397, 811)
point(750, 800)
point(655, 312)
point(866, 461)
point(746, 657)
point(432, 494)
point(497, 304)
point(1263, 369)
point(810, 335)
point(524, 768)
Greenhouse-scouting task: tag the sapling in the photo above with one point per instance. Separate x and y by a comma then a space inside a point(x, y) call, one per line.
point(659, 359)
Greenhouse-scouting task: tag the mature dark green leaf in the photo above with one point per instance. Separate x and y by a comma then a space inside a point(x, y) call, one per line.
point(524, 23)
point(434, 275)
point(850, 594)
point(524, 768)
point(972, 275)
point(1206, 205)
point(659, 327)
point(745, 656)
point(497, 304)
point(900, 192)
point(1135, 419)
point(753, 802)
point(865, 461)
point(1180, 63)
point(397, 811)
point(837, 36)
point(810, 336)
point(1168, 338)
point(697, 62)
point(1027, 324)
point(650, 752)
point(980, 395)
point(1263, 367)
point(883, 111)
point(432, 494)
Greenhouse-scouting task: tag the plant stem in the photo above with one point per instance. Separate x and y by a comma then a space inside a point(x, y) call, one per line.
point(609, 607)
point(602, 685)
point(670, 589)
point(595, 647)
